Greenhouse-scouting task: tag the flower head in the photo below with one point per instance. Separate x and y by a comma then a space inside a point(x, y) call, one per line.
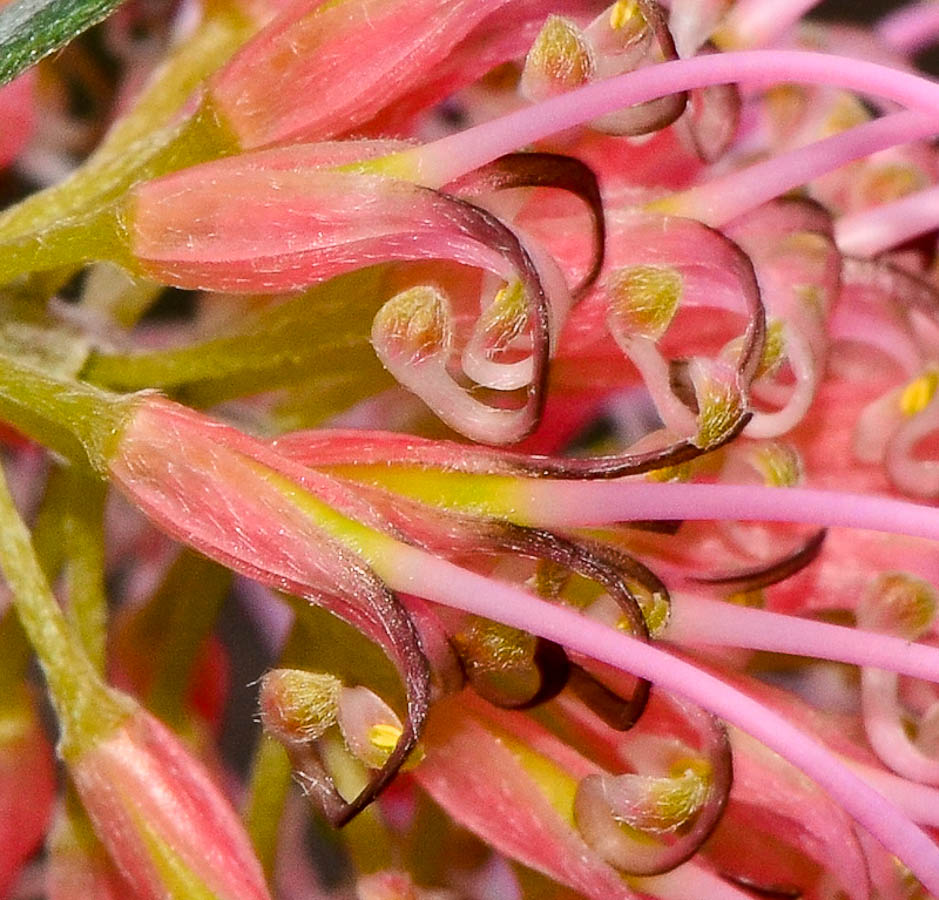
point(677, 260)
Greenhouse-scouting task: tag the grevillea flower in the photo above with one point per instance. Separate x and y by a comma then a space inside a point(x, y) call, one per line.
point(315, 535)
point(675, 637)
point(143, 792)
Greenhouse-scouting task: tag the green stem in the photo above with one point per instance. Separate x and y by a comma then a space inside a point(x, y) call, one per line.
point(87, 710)
point(92, 228)
point(48, 533)
point(81, 422)
point(271, 777)
point(14, 657)
point(317, 333)
point(84, 541)
point(112, 294)
point(185, 606)
point(131, 151)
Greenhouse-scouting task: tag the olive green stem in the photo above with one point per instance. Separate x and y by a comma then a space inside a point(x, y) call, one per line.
point(48, 530)
point(135, 148)
point(14, 655)
point(84, 542)
point(86, 709)
point(93, 227)
point(321, 331)
point(271, 777)
point(186, 604)
point(81, 422)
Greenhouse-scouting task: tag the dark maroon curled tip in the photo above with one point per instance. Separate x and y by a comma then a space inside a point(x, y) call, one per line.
point(404, 647)
point(656, 853)
point(487, 229)
point(549, 170)
point(753, 578)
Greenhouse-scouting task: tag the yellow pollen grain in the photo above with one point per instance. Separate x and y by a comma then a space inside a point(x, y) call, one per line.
point(384, 736)
point(694, 766)
point(622, 12)
point(779, 465)
point(918, 394)
point(507, 315)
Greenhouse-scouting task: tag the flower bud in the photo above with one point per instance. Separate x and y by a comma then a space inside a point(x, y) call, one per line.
point(298, 706)
point(560, 59)
point(162, 819)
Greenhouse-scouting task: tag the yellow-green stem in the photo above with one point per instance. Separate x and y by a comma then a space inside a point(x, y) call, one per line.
point(84, 541)
point(81, 422)
point(86, 709)
point(136, 148)
point(186, 604)
point(92, 228)
point(271, 777)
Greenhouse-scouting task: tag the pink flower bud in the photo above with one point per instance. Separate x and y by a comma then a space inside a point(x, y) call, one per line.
point(393, 46)
point(163, 820)
point(242, 504)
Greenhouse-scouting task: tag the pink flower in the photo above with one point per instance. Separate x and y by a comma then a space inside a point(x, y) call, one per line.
point(148, 799)
point(678, 261)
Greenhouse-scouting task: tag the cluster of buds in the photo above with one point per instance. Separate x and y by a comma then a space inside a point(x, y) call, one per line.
point(551, 385)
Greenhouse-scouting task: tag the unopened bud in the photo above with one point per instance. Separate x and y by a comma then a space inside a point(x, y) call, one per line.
point(298, 706)
point(560, 59)
point(162, 819)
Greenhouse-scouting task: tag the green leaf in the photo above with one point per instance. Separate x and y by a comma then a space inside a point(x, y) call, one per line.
point(32, 29)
